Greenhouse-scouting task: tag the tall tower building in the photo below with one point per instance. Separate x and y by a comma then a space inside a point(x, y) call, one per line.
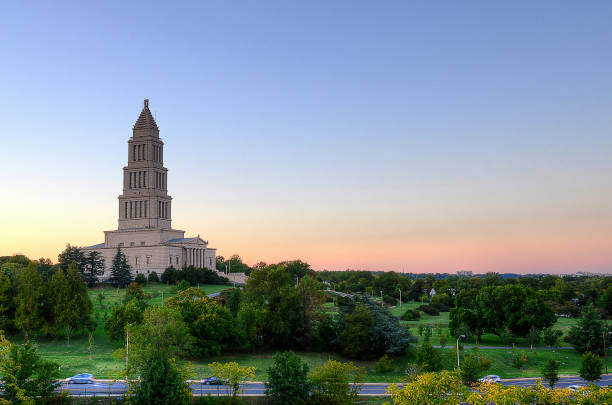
point(144, 232)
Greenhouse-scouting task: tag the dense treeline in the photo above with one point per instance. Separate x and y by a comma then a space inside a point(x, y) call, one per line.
point(37, 298)
point(192, 275)
point(565, 295)
point(282, 306)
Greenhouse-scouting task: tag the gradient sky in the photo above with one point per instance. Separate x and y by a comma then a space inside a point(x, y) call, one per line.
point(414, 136)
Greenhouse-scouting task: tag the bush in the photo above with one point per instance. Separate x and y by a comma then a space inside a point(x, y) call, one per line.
point(385, 365)
point(183, 285)
point(518, 360)
point(428, 358)
point(590, 369)
point(411, 315)
point(141, 279)
point(192, 275)
point(473, 366)
point(440, 306)
point(387, 299)
point(429, 310)
point(153, 277)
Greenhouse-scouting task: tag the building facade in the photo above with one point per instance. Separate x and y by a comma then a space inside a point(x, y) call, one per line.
point(145, 233)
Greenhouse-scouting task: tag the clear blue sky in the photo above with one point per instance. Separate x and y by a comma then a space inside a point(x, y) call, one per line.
point(416, 136)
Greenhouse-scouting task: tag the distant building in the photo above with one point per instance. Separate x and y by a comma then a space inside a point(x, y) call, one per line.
point(464, 273)
point(145, 234)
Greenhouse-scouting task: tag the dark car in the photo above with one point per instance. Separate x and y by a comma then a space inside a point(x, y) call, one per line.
point(213, 381)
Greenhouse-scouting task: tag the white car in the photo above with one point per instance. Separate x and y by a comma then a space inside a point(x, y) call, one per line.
point(490, 379)
point(575, 387)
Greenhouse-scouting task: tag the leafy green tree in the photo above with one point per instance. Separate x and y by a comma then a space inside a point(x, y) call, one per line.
point(6, 299)
point(355, 339)
point(432, 389)
point(153, 277)
point(233, 301)
point(428, 358)
point(335, 383)
point(63, 310)
point(590, 368)
point(129, 313)
point(161, 383)
point(534, 336)
point(161, 330)
point(551, 337)
point(550, 372)
point(27, 377)
point(233, 374)
point(30, 291)
point(288, 380)
point(212, 326)
point(586, 335)
point(473, 366)
point(121, 272)
point(72, 254)
point(466, 314)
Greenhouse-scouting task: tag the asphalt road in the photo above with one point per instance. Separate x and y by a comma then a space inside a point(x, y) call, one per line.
point(108, 388)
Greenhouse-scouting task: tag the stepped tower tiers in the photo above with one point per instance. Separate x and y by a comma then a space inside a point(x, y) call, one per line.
point(144, 231)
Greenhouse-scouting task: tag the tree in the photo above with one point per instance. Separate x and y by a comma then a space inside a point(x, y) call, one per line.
point(161, 383)
point(428, 358)
point(331, 383)
point(121, 272)
point(430, 388)
point(590, 368)
point(551, 336)
point(288, 380)
point(129, 313)
point(473, 367)
point(72, 254)
point(550, 371)
point(153, 277)
point(586, 335)
point(26, 375)
point(161, 330)
point(30, 290)
point(213, 327)
point(534, 336)
point(355, 340)
point(6, 299)
point(64, 313)
point(233, 374)
point(93, 267)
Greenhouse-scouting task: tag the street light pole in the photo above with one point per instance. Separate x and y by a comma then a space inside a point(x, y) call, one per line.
point(381, 298)
point(127, 351)
point(460, 336)
point(400, 290)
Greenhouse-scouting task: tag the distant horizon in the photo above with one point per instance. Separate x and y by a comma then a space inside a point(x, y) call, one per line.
point(419, 137)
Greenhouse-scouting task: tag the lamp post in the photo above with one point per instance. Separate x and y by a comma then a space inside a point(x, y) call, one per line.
point(460, 336)
point(400, 290)
point(381, 298)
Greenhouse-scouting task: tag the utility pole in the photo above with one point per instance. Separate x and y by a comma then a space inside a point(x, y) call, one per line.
point(127, 351)
point(605, 351)
point(460, 336)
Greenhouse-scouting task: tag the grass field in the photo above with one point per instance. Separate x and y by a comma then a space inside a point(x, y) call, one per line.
point(75, 357)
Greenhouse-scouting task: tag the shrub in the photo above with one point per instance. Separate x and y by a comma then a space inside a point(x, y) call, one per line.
point(429, 310)
point(518, 360)
point(141, 279)
point(387, 299)
point(183, 285)
point(439, 306)
point(473, 366)
point(153, 277)
point(429, 358)
point(411, 315)
point(385, 365)
point(590, 369)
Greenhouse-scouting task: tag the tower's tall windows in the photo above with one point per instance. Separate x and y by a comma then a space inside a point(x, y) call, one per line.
point(131, 209)
point(126, 209)
point(139, 179)
point(130, 182)
point(144, 179)
point(134, 153)
point(139, 209)
point(139, 152)
point(144, 152)
point(146, 203)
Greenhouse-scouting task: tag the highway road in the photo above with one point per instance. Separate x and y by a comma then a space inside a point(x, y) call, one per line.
point(119, 388)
